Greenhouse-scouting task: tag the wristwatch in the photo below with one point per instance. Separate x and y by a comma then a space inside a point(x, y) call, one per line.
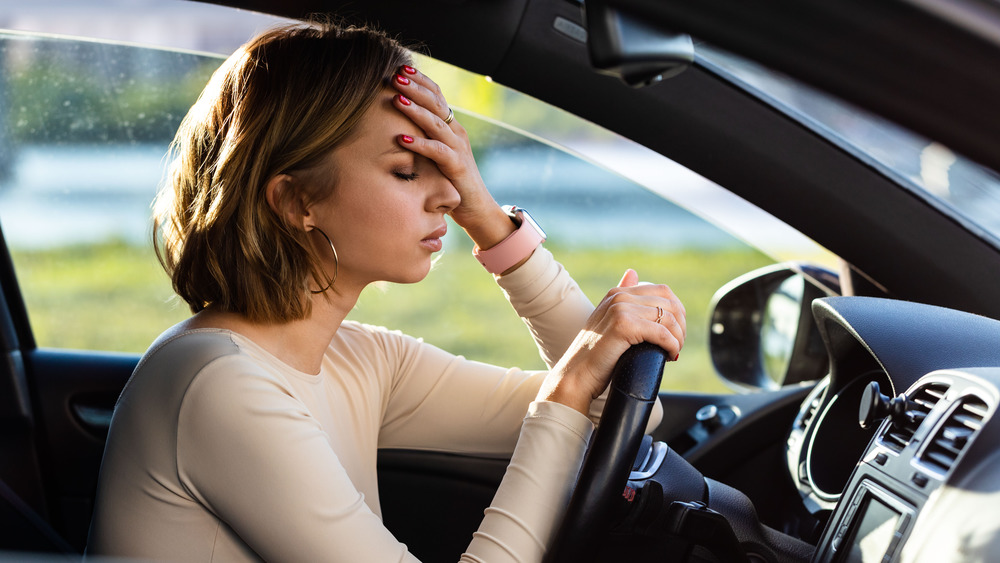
point(516, 247)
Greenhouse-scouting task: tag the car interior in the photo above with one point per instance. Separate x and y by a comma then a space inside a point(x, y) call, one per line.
point(858, 421)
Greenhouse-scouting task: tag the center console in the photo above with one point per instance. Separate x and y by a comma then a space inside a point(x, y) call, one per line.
point(926, 434)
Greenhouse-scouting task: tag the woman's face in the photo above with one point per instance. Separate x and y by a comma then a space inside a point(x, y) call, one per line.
point(386, 212)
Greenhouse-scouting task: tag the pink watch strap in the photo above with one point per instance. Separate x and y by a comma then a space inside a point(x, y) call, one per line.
point(511, 250)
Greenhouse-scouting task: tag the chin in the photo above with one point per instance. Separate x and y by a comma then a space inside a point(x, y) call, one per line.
point(413, 276)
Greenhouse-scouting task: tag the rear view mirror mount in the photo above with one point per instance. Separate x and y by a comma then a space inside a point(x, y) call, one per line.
point(639, 54)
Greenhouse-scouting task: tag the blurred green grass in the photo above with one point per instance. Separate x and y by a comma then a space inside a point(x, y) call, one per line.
point(115, 297)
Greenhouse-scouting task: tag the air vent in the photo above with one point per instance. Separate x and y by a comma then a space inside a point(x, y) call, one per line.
point(902, 428)
point(955, 434)
point(811, 405)
point(808, 414)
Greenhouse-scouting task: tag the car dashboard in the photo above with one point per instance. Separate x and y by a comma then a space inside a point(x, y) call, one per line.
point(895, 449)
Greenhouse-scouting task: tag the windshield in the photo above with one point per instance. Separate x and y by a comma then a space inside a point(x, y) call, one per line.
point(967, 191)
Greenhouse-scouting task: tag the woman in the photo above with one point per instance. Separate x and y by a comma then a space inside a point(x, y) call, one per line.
point(316, 162)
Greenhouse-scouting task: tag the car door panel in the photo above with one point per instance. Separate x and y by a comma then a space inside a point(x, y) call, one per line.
point(75, 393)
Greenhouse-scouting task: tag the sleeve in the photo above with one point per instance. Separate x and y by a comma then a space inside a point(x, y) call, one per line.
point(549, 301)
point(442, 402)
point(536, 488)
point(251, 453)
point(555, 310)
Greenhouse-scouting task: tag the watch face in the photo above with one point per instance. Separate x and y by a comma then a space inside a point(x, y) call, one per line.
point(523, 216)
point(526, 217)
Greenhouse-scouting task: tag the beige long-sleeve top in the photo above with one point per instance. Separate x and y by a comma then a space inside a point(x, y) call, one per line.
point(218, 451)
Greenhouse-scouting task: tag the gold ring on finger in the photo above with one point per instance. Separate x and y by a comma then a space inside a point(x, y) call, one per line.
point(451, 116)
point(659, 314)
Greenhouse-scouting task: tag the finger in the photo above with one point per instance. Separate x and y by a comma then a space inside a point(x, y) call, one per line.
point(629, 279)
point(424, 92)
point(435, 151)
point(654, 290)
point(664, 313)
point(415, 75)
point(674, 328)
point(645, 294)
point(670, 313)
point(634, 323)
point(672, 318)
point(431, 124)
point(651, 307)
point(425, 85)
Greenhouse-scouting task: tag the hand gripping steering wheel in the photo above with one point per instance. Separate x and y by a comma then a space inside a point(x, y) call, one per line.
point(634, 385)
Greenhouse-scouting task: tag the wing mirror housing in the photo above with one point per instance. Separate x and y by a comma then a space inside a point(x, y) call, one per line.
point(761, 332)
point(638, 53)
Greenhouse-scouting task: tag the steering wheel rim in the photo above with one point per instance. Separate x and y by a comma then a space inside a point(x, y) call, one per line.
point(634, 385)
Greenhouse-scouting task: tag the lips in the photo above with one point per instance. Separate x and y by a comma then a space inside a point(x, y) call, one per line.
point(433, 241)
point(440, 232)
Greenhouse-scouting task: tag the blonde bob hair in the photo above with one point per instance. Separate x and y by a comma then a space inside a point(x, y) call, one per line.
point(279, 105)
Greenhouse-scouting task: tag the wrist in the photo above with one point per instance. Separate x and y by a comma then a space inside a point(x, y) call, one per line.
point(558, 388)
point(492, 229)
point(566, 384)
point(514, 250)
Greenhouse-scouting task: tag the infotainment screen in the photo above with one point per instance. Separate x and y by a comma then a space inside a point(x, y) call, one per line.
point(874, 526)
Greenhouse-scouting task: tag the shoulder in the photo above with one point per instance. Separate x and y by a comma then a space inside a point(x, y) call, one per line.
point(145, 417)
point(355, 329)
point(223, 378)
point(198, 346)
point(375, 350)
point(356, 335)
point(177, 359)
point(181, 352)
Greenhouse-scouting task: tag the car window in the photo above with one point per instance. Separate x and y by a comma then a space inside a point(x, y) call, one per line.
point(85, 128)
point(86, 124)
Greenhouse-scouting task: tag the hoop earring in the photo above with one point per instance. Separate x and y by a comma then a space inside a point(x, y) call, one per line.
point(336, 262)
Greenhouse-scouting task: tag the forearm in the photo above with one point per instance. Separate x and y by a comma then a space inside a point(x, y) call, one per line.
point(536, 488)
point(549, 301)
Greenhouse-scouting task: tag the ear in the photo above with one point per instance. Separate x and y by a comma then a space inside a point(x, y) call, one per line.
point(286, 200)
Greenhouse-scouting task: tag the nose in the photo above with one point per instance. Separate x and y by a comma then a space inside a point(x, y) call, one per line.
point(444, 196)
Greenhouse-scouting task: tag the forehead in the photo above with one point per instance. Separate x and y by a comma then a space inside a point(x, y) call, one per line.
point(379, 128)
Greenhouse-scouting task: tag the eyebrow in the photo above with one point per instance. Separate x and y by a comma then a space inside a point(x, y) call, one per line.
point(394, 150)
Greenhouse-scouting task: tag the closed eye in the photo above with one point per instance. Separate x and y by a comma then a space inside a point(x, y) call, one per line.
point(408, 177)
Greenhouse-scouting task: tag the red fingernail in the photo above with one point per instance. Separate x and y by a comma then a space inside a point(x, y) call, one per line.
point(409, 69)
point(403, 100)
point(406, 139)
point(677, 357)
point(402, 79)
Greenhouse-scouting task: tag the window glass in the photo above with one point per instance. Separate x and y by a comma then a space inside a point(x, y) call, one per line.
point(84, 127)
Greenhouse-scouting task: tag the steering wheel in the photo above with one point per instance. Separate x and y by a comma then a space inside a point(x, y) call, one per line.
point(608, 462)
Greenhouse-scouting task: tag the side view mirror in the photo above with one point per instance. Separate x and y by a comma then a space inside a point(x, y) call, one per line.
point(761, 331)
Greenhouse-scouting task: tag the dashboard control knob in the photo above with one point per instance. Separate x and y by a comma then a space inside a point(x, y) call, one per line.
point(708, 415)
point(875, 406)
